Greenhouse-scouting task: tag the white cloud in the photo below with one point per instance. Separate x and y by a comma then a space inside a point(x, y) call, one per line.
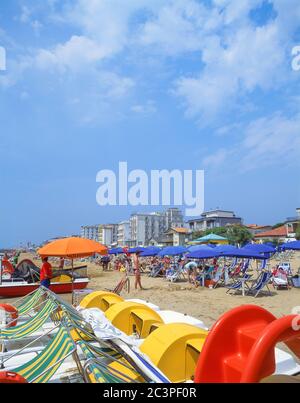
point(217, 158)
point(268, 141)
point(235, 65)
point(146, 109)
point(75, 54)
point(272, 140)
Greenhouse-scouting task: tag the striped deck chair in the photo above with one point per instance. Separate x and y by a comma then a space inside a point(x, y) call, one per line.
point(261, 282)
point(237, 285)
point(97, 368)
point(29, 327)
point(42, 368)
point(30, 302)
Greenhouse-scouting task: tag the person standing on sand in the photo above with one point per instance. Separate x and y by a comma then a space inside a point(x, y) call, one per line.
point(137, 271)
point(46, 273)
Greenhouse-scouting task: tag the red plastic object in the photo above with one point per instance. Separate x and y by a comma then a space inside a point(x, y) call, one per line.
point(11, 313)
point(11, 377)
point(240, 346)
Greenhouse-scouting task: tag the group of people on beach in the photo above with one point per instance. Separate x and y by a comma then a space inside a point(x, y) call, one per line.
point(125, 264)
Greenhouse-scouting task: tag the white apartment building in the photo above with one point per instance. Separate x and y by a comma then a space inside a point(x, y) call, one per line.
point(148, 227)
point(124, 233)
point(105, 234)
point(90, 232)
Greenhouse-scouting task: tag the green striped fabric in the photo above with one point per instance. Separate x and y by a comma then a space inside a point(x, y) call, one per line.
point(99, 374)
point(30, 326)
point(42, 368)
point(29, 302)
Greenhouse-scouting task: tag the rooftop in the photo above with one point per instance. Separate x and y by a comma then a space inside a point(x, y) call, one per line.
point(277, 232)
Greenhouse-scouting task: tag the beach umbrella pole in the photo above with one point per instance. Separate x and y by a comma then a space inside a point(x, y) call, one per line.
point(72, 282)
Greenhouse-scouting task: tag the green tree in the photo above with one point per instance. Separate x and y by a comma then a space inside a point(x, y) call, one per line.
point(298, 232)
point(280, 224)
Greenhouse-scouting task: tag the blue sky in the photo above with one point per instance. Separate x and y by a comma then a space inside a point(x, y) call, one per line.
point(184, 84)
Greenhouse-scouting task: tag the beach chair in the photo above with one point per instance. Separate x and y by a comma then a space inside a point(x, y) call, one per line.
point(218, 278)
point(31, 301)
point(104, 365)
point(175, 273)
point(156, 270)
point(261, 282)
point(27, 328)
point(238, 285)
point(43, 367)
point(263, 265)
point(280, 279)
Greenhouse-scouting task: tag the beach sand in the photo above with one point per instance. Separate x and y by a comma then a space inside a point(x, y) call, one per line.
point(202, 303)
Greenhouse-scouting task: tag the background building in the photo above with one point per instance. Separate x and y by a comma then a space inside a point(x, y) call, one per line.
point(106, 234)
point(148, 228)
point(124, 233)
point(175, 237)
point(90, 232)
point(257, 229)
point(214, 219)
point(292, 223)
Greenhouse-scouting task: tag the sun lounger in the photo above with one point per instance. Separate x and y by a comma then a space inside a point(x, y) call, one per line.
point(104, 365)
point(174, 274)
point(261, 282)
point(42, 368)
point(239, 284)
point(28, 303)
point(29, 327)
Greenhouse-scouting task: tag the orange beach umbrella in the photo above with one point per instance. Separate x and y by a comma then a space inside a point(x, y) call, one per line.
point(73, 248)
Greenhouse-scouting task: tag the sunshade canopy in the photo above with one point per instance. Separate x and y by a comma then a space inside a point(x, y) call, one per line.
point(202, 254)
point(73, 248)
point(116, 251)
point(211, 238)
point(294, 245)
point(150, 251)
point(260, 248)
point(195, 248)
point(244, 253)
point(173, 251)
point(139, 249)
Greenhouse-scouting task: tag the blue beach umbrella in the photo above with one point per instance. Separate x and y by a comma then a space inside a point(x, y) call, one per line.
point(244, 253)
point(294, 245)
point(116, 251)
point(202, 254)
point(260, 248)
point(150, 251)
point(136, 250)
point(173, 251)
point(195, 248)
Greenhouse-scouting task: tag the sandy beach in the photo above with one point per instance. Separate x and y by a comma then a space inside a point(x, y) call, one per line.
point(203, 303)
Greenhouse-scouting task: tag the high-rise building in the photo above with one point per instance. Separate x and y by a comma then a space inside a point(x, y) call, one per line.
point(90, 232)
point(148, 228)
point(105, 234)
point(124, 233)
